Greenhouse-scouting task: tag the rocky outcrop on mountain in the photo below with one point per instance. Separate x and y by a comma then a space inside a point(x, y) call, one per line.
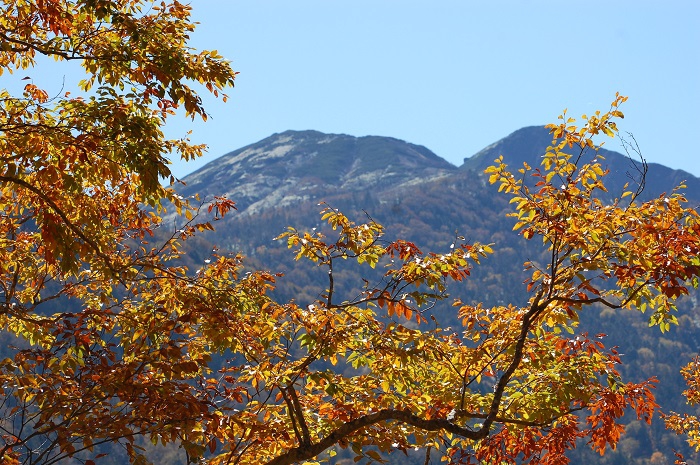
point(298, 166)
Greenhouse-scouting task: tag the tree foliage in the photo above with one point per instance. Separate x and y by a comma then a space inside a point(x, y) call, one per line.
point(117, 340)
point(76, 173)
point(687, 424)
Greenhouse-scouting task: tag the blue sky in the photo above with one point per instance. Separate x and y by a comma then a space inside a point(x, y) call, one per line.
point(452, 75)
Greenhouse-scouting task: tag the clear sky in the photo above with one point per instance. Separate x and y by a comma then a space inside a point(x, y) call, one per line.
point(452, 75)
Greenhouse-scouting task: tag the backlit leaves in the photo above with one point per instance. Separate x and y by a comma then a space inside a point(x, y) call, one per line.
point(99, 310)
point(646, 249)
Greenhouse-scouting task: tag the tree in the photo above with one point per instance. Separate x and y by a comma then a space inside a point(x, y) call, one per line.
point(512, 386)
point(117, 339)
point(76, 173)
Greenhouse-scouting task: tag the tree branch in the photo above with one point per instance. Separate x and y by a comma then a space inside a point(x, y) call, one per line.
point(292, 415)
point(298, 454)
point(535, 309)
point(306, 436)
point(76, 230)
point(56, 53)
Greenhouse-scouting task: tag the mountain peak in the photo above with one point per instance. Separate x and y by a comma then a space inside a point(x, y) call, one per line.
point(297, 165)
point(310, 166)
point(529, 144)
point(524, 145)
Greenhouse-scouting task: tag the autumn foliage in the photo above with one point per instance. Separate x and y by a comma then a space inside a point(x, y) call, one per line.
point(116, 339)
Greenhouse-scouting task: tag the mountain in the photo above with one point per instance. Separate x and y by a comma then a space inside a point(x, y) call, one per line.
point(418, 196)
point(524, 145)
point(530, 143)
point(298, 166)
point(280, 180)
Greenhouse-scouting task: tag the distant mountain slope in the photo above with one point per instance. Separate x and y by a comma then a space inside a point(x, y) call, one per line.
point(524, 145)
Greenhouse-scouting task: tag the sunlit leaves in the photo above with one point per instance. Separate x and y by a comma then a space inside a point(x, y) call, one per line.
point(645, 248)
point(103, 316)
point(686, 424)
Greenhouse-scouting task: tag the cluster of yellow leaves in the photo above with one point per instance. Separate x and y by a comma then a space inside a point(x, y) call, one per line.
point(649, 249)
point(509, 385)
point(102, 312)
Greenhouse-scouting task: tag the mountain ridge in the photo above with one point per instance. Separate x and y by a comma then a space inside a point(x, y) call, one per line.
point(293, 167)
point(524, 144)
point(282, 168)
point(528, 144)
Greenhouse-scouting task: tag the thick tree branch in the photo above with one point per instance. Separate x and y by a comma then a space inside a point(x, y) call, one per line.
point(292, 415)
point(305, 435)
point(299, 454)
point(535, 309)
